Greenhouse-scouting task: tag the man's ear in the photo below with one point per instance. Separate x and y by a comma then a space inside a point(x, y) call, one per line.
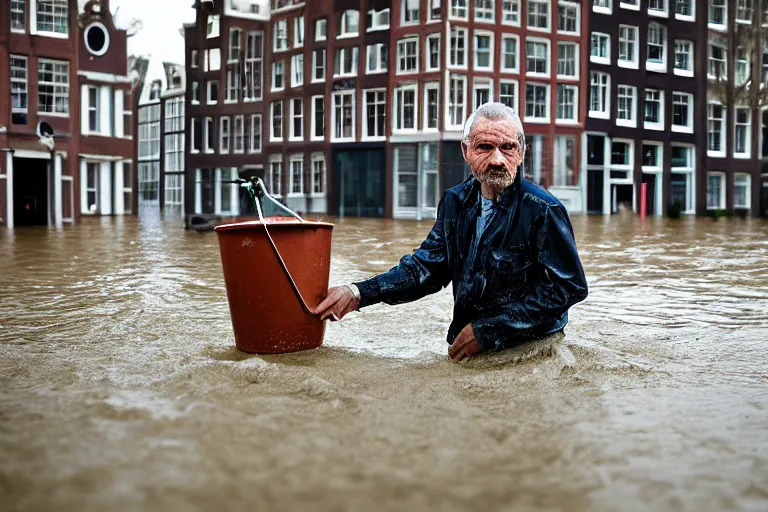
point(465, 149)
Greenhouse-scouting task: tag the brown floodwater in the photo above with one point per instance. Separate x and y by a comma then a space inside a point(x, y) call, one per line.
point(120, 388)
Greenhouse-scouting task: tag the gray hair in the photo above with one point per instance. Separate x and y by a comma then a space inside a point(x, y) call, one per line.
point(495, 110)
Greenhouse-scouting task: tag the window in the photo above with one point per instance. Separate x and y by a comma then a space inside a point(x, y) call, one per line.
point(483, 51)
point(568, 18)
point(280, 35)
point(717, 69)
point(321, 30)
point(435, 12)
point(741, 190)
point(225, 134)
point(213, 92)
point(92, 187)
point(174, 189)
point(18, 15)
point(213, 27)
point(52, 87)
point(298, 31)
point(538, 14)
point(149, 132)
point(433, 52)
point(742, 66)
point(377, 58)
point(681, 178)
point(657, 7)
point(233, 83)
point(174, 152)
point(684, 9)
point(277, 121)
point(346, 62)
point(410, 12)
point(715, 132)
point(343, 115)
point(19, 90)
point(509, 60)
point(741, 134)
point(510, 12)
point(682, 157)
point(408, 55)
point(194, 59)
point(318, 174)
point(536, 102)
point(296, 182)
point(318, 118)
point(318, 66)
point(378, 20)
point(601, 48)
point(235, 36)
point(405, 108)
point(209, 135)
point(599, 95)
point(657, 45)
point(457, 56)
point(239, 135)
point(744, 11)
point(278, 75)
point(682, 112)
point(456, 98)
point(431, 106)
point(212, 60)
point(717, 13)
point(651, 156)
point(52, 16)
point(602, 6)
point(254, 134)
point(297, 70)
point(654, 110)
point(620, 154)
point(94, 114)
point(626, 105)
point(196, 133)
point(628, 46)
point(481, 93)
point(253, 61)
point(195, 93)
point(275, 177)
point(297, 119)
point(567, 97)
point(350, 23)
point(715, 191)
point(508, 94)
point(375, 107)
point(459, 9)
point(484, 10)
point(537, 57)
point(567, 60)
point(684, 58)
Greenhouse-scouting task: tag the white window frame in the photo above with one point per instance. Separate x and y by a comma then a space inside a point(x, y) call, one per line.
point(738, 63)
point(604, 9)
point(209, 92)
point(459, 9)
point(658, 126)
point(688, 127)
point(275, 65)
point(660, 13)
point(59, 89)
point(510, 12)
point(534, 28)
point(710, 59)
point(297, 71)
point(453, 55)
point(748, 196)
point(431, 86)
point(575, 90)
point(630, 154)
point(481, 84)
point(343, 52)
point(335, 97)
point(689, 172)
point(739, 17)
point(275, 186)
point(721, 27)
point(292, 136)
point(238, 135)
point(491, 52)
point(318, 157)
point(313, 121)
point(35, 16)
point(213, 26)
point(195, 93)
point(576, 61)
point(377, 24)
point(272, 136)
point(95, 108)
point(18, 8)
point(605, 96)
point(659, 156)
point(398, 109)
point(516, 96)
point(253, 133)
point(406, 8)
point(723, 190)
point(487, 11)
point(454, 99)
point(19, 82)
point(344, 30)
point(298, 31)
point(427, 56)
point(208, 124)
point(192, 149)
point(253, 65)
point(570, 5)
point(295, 159)
point(225, 134)
point(502, 64)
point(689, 70)
point(599, 59)
point(723, 130)
point(547, 103)
point(379, 49)
point(659, 67)
point(686, 17)
point(748, 137)
point(548, 64)
point(280, 36)
point(321, 30)
point(402, 46)
point(632, 121)
point(635, 44)
point(315, 79)
point(380, 110)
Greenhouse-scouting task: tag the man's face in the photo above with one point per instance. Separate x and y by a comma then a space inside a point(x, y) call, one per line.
point(493, 152)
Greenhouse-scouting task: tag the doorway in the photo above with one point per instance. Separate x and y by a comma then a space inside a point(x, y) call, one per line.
point(30, 192)
point(358, 182)
point(621, 198)
point(595, 190)
point(650, 193)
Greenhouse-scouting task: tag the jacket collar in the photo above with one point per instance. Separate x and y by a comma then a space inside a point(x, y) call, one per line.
point(471, 191)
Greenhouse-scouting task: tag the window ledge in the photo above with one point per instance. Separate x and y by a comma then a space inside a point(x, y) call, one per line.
point(567, 122)
point(295, 139)
point(511, 23)
point(716, 154)
point(345, 76)
point(346, 139)
point(656, 67)
point(537, 120)
point(599, 115)
point(376, 71)
point(604, 10)
point(18, 31)
point(536, 75)
point(317, 195)
point(348, 36)
point(742, 156)
point(538, 29)
point(628, 64)
point(565, 33)
point(657, 127)
point(275, 139)
point(567, 77)
point(683, 72)
point(296, 194)
point(52, 114)
point(377, 138)
point(652, 169)
point(658, 14)
point(716, 27)
point(600, 60)
point(484, 20)
point(54, 35)
point(683, 17)
point(627, 123)
point(682, 129)
point(412, 72)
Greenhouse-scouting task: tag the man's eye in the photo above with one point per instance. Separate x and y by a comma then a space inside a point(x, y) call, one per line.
point(484, 147)
point(509, 146)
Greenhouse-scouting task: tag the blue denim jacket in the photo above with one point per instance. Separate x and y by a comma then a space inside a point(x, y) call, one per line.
point(514, 284)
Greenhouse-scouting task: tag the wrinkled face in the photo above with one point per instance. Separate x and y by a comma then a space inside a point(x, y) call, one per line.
point(493, 152)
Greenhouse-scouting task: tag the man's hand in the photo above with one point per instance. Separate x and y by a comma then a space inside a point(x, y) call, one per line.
point(465, 345)
point(339, 301)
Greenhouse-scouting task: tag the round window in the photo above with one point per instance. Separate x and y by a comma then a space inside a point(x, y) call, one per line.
point(97, 38)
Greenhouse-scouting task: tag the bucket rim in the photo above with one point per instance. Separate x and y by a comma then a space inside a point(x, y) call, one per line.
point(289, 222)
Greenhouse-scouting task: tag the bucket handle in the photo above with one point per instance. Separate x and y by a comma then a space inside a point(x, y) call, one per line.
point(257, 190)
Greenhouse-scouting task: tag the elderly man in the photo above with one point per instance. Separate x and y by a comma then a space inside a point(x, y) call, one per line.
point(504, 243)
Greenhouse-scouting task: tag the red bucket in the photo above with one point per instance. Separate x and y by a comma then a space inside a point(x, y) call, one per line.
point(268, 313)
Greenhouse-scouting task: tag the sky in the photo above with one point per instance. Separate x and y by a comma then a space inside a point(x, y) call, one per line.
point(162, 19)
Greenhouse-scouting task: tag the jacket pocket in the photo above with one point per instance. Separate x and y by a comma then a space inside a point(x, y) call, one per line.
point(509, 267)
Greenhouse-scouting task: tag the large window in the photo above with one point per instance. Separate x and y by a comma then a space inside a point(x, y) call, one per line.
point(600, 48)
point(741, 72)
point(53, 16)
point(275, 176)
point(318, 118)
point(318, 66)
point(621, 154)
point(628, 45)
point(94, 110)
point(174, 114)
point(654, 109)
point(715, 132)
point(508, 94)
point(298, 31)
point(538, 14)
point(432, 58)
point(346, 62)
point(741, 190)
point(509, 61)
point(484, 11)
point(53, 87)
point(626, 105)
point(375, 106)
point(209, 135)
point(568, 17)
point(253, 61)
point(254, 134)
point(456, 99)
point(536, 102)
point(744, 10)
point(567, 60)
point(405, 108)
point(741, 134)
point(18, 15)
point(377, 58)
point(717, 68)
point(715, 191)
point(657, 45)
point(297, 119)
point(410, 12)
point(537, 57)
point(277, 120)
point(717, 13)
point(174, 152)
point(483, 51)
point(684, 8)
point(149, 183)
point(684, 58)
point(296, 177)
point(344, 115)
point(682, 112)
point(174, 189)
point(378, 20)
point(321, 29)
point(280, 35)
point(19, 77)
point(431, 106)
point(567, 98)
point(459, 9)
point(350, 23)
point(481, 92)
point(510, 12)
point(278, 75)
point(458, 56)
point(213, 26)
point(297, 70)
point(149, 132)
point(599, 95)
point(318, 174)
point(408, 55)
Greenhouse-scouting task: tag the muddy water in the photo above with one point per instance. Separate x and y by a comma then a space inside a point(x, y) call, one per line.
point(120, 389)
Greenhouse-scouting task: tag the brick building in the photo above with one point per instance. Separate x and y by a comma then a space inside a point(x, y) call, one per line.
point(67, 78)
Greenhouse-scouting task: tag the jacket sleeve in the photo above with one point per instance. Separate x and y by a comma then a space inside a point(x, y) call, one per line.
point(547, 301)
point(424, 271)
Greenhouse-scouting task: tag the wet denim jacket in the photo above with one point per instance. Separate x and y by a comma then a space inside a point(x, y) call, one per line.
point(515, 283)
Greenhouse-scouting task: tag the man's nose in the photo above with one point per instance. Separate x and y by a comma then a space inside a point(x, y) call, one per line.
point(497, 158)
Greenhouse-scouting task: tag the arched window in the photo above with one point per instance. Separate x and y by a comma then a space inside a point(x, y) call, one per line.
point(350, 23)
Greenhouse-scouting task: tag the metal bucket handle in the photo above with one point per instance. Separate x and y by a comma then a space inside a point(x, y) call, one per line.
point(257, 190)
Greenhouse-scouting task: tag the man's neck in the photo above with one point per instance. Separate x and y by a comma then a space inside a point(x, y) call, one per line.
point(490, 192)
